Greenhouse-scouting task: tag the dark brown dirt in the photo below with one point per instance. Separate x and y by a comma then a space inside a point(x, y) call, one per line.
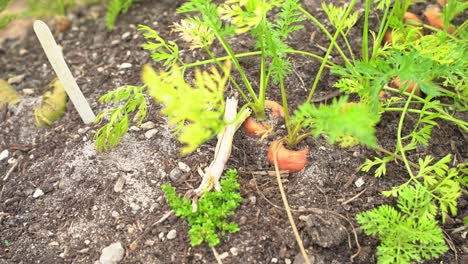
point(80, 213)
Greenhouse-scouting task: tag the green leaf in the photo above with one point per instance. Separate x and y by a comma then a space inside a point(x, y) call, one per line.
point(196, 112)
point(109, 135)
point(212, 212)
point(340, 119)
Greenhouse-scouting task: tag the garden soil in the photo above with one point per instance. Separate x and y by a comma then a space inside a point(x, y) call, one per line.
point(63, 202)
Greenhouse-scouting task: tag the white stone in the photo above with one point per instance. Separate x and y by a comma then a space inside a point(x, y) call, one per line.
point(172, 234)
point(134, 128)
point(115, 214)
point(126, 36)
point(223, 255)
point(274, 260)
point(359, 182)
point(16, 79)
point(38, 193)
point(53, 243)
point(287, 261)
point(234, 251)
point(28, 91)
point(87, 242)
point(147, 125)
point(183, 167)
point(4, 154)
point(125, 65)
point(161, 235)
point(112, 254)
point(151, 133)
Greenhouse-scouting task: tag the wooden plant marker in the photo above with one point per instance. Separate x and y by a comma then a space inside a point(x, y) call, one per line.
point(55, 56)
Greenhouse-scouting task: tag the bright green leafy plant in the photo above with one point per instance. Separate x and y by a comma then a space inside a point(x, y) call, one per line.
point(5, 19)
point(213, 209)
point(114, 8)
point(408, 234)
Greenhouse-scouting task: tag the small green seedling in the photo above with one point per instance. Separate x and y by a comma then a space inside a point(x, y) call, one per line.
point(212, 212)
point(410, 234)
point(114, 8)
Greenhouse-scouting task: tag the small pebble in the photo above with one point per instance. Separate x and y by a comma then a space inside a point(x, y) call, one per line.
point(172, 234)
point(149, 242)
point(38, 193)
point(115, 42)
point(134, 128)
point(23, 52)
point(125, 65)
point(151, 133)
point(4, 154)
point(87, 242)
point(274, 260)
point(175, 174)
point(126, 36)
point(112, 254)
point(359, 182)
point(16, 79)
point(115, 214)
point(28, 91)
point(287, 261)
point(234, 251)
point(223, 255)
point(53, 243)
point(183, 167)
point(147, 125)
point(119, 184)
point(161, 235)
point(11, 161)
point(83, 130)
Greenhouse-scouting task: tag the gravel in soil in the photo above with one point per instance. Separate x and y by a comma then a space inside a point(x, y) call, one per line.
point(65, 203)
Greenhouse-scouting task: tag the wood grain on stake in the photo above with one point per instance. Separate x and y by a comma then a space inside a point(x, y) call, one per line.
point(54, 54)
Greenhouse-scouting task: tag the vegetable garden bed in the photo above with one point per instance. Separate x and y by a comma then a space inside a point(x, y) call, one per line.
point(62, 201)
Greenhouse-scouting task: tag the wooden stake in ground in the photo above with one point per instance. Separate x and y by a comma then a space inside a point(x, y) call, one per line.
point(54, 54)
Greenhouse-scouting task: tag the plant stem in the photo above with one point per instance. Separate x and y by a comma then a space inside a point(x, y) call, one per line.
point(462, 124)
point(399, 140)
point(288, 209)
point(287, 117)
point(247, 100)
point(330, 48)
point(247, 84)
point(250, 54)
point(396, 156)
point(382, 29)
point(365, 33)
point(327, 33)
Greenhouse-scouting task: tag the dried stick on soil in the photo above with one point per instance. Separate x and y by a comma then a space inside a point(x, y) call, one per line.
point(215, 253)
point(317, 211)
point(13, 167)
point(134, 244)
point(354, 197)
point(223, 147)
point(288, 209)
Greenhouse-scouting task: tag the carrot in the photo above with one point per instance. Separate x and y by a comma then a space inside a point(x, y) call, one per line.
point(291, 160)
point(262, 129)
point(255, 128)
point(276, 109)
point(434, 18)
point(412, 19)
point(412, 85)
